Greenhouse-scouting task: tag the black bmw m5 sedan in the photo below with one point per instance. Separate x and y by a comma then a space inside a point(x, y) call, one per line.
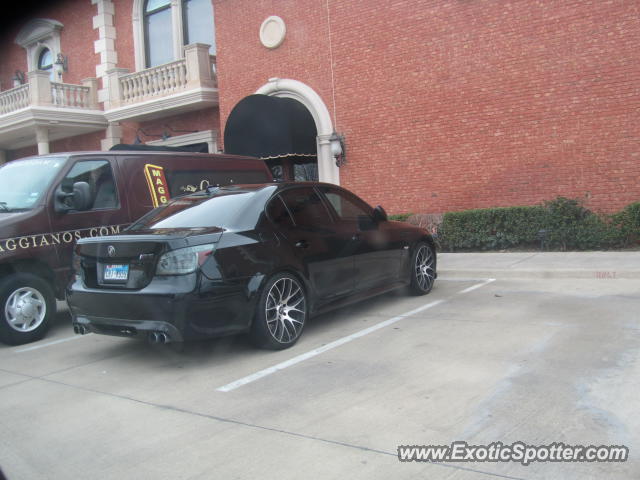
point(244, 258)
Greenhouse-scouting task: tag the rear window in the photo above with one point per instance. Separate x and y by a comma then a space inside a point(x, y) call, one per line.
point(196, 212)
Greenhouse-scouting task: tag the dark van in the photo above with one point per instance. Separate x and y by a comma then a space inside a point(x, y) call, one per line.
point(48, 202)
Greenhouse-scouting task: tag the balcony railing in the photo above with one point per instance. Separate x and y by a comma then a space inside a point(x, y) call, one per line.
point(195, 71)
point(162, 80)
point(71, 96)
point(14, 99)
point(41, 91)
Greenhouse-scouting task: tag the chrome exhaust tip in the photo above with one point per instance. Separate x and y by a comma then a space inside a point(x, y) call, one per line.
point(158, 337)
point(80, 329)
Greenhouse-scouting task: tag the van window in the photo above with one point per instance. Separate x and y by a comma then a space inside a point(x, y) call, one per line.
point(99, 176)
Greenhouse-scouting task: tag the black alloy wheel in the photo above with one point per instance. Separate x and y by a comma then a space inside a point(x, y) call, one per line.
point(422, 269)
point(281, 313)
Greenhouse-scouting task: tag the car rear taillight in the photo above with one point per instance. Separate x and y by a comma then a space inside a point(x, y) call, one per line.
point(183, 260)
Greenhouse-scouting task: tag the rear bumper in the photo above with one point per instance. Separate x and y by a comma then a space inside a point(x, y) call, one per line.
point(188, 307)
point(128, 328)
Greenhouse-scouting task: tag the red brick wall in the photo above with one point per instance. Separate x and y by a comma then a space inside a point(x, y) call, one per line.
point(199, 120)
point(13, 57)
point(89, 141)
point(448, 105)
point(122, 21)
point(22, 152)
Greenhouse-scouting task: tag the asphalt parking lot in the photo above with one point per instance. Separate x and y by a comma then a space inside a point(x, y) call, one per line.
point(533, 358)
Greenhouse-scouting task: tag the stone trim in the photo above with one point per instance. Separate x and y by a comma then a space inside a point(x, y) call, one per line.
point(279, 87)
point(105, 45)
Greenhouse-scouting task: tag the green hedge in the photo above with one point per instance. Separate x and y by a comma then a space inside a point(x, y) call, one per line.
point(400, 217)
point(627, 222)
point(491, 228)
point(561, 224)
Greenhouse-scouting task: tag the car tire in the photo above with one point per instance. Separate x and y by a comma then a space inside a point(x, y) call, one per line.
point(281, 313)
point(422, 269)
point(27, 305)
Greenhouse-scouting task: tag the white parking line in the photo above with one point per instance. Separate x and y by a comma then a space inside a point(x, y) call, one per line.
point(473, 287)
point(341, 341)
point(48, 344)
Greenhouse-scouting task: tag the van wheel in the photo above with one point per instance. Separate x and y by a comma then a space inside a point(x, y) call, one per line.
point(27, 305)
point(281, 313)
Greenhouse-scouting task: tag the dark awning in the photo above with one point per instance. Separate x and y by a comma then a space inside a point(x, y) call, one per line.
point(263, 126)
point(137, 147)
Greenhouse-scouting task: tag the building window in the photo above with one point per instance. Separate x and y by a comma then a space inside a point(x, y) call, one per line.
point(197, 16)
point(158, 39)
point(45, 62)
point(163, 27)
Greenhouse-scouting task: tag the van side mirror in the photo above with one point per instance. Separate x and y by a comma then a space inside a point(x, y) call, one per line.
point(78, 199)
point(379, 215)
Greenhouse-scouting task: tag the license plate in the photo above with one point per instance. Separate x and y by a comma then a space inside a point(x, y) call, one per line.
point(116, 273)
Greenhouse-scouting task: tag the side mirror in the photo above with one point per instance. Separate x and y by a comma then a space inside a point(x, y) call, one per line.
point(379, 215)
point(78, 199)
point(81, 196)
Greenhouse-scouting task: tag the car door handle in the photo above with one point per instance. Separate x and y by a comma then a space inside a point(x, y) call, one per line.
point(355, 237)
point(302, 244)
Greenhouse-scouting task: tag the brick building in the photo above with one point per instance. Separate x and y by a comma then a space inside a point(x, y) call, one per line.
point(442, 104)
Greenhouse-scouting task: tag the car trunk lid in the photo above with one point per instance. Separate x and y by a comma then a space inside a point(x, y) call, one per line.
point(129, 261)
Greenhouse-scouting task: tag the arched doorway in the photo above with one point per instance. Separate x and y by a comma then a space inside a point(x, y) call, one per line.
point(293, 118)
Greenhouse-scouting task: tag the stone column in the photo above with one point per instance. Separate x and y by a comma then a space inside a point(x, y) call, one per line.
point(113, 136)
point(42, 137)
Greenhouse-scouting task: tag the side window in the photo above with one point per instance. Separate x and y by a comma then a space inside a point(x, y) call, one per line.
point(306, 207)
point(102, 187)
point(348, 207)
point(278, 213)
